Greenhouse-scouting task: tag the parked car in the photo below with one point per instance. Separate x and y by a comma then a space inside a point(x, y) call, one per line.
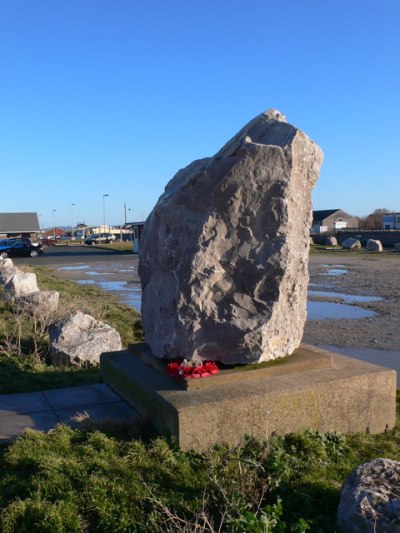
point(99, 238)
point(11, 240)
point(17, 248)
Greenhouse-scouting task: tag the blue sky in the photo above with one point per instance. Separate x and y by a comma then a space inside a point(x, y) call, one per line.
point(114, 97)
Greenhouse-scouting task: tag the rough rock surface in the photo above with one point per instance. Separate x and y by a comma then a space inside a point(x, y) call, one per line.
point(42, 304)
point(374, 245)
point(350, 244)
point(7, 270)
point(21, 284)
point(330, 240)
point(223, 257)
point(397, 247)
point(79, 339)
point(370, 499)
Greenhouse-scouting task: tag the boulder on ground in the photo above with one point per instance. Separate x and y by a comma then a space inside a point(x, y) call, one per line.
point(7, 270)
point(370, 499)
point(42, 304)
point(351, 244)
point(79, 339)
point(373, 245)
point(21, 284)
point(330, 240)
point(224, 253)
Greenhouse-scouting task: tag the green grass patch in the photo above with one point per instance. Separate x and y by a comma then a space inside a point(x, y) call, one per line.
point(87, 480)
point(24, 343)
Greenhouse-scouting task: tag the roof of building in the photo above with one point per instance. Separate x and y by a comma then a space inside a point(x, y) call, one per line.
point(19, 223)
point(325, 213)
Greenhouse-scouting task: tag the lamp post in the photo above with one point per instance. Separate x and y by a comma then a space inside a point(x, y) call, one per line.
point(54, 224)
point(104, 212)
point(72, 220)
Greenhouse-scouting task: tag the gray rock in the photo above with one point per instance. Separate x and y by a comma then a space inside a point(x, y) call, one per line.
point(223, 257)
point(79, 339)
point(7, 270)
point(351, 244)
point(330, 240)
point(42, 304)
point(397, 247)
point(21, 284)
point(370, 499)
point(373, 245)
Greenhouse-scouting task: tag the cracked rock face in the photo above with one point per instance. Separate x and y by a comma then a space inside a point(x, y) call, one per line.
point(223, 257)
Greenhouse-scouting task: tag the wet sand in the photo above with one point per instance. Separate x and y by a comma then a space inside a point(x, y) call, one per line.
point(365, 275)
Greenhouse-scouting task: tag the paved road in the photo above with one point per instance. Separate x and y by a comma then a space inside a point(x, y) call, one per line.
point(67, 255)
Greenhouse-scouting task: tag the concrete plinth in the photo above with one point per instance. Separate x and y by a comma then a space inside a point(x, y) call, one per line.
point(311, 389)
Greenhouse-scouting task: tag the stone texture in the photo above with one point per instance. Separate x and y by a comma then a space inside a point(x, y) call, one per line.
point(348, 396)
point(351, 244)
point(79, 339)
point(42, 304)
point(370, 499)
point(374, 245)
point(397, 247)
point(330, 240)
point(7, 270)
point(21, 284)
point(223, 257)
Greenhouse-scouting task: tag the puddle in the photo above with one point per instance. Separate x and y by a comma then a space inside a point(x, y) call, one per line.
point(349, 298)
point(78, 267)
point(386, 358)
point(86, 281)
point(333, 311)
point(335, 272)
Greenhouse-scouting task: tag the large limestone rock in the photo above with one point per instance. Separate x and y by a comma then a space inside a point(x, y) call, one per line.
point(223, 258)
point(370, 499)
point(79, 339)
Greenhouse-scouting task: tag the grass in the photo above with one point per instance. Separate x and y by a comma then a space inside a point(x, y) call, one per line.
point(124, 481)
point(24, 344)
point(88, 480)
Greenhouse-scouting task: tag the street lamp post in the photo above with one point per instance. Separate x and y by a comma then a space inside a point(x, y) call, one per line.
point(104, 212)
point(54, 223)
point(72, 220)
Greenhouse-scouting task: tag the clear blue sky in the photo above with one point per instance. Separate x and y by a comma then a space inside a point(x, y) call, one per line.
point(115, 96)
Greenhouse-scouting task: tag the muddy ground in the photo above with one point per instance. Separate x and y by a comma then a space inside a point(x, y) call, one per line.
point(365, 274)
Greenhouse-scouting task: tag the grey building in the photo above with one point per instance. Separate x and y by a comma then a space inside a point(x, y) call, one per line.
point(332, 220)
point(19, 225)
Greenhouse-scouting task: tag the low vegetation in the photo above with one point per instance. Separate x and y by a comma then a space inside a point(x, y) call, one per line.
point(123, 480)
point(91, 480)
point(24, 341)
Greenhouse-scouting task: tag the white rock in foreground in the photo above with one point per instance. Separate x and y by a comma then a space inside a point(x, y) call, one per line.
point(21, 284)
point(79, 339)
point(7, 270)
point(370, 499)
point(223, 257)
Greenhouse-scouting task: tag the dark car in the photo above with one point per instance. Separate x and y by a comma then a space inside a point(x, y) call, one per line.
point(17, 247)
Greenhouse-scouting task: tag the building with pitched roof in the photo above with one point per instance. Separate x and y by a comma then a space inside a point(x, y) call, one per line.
point(19, 225)
point(332, 220)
